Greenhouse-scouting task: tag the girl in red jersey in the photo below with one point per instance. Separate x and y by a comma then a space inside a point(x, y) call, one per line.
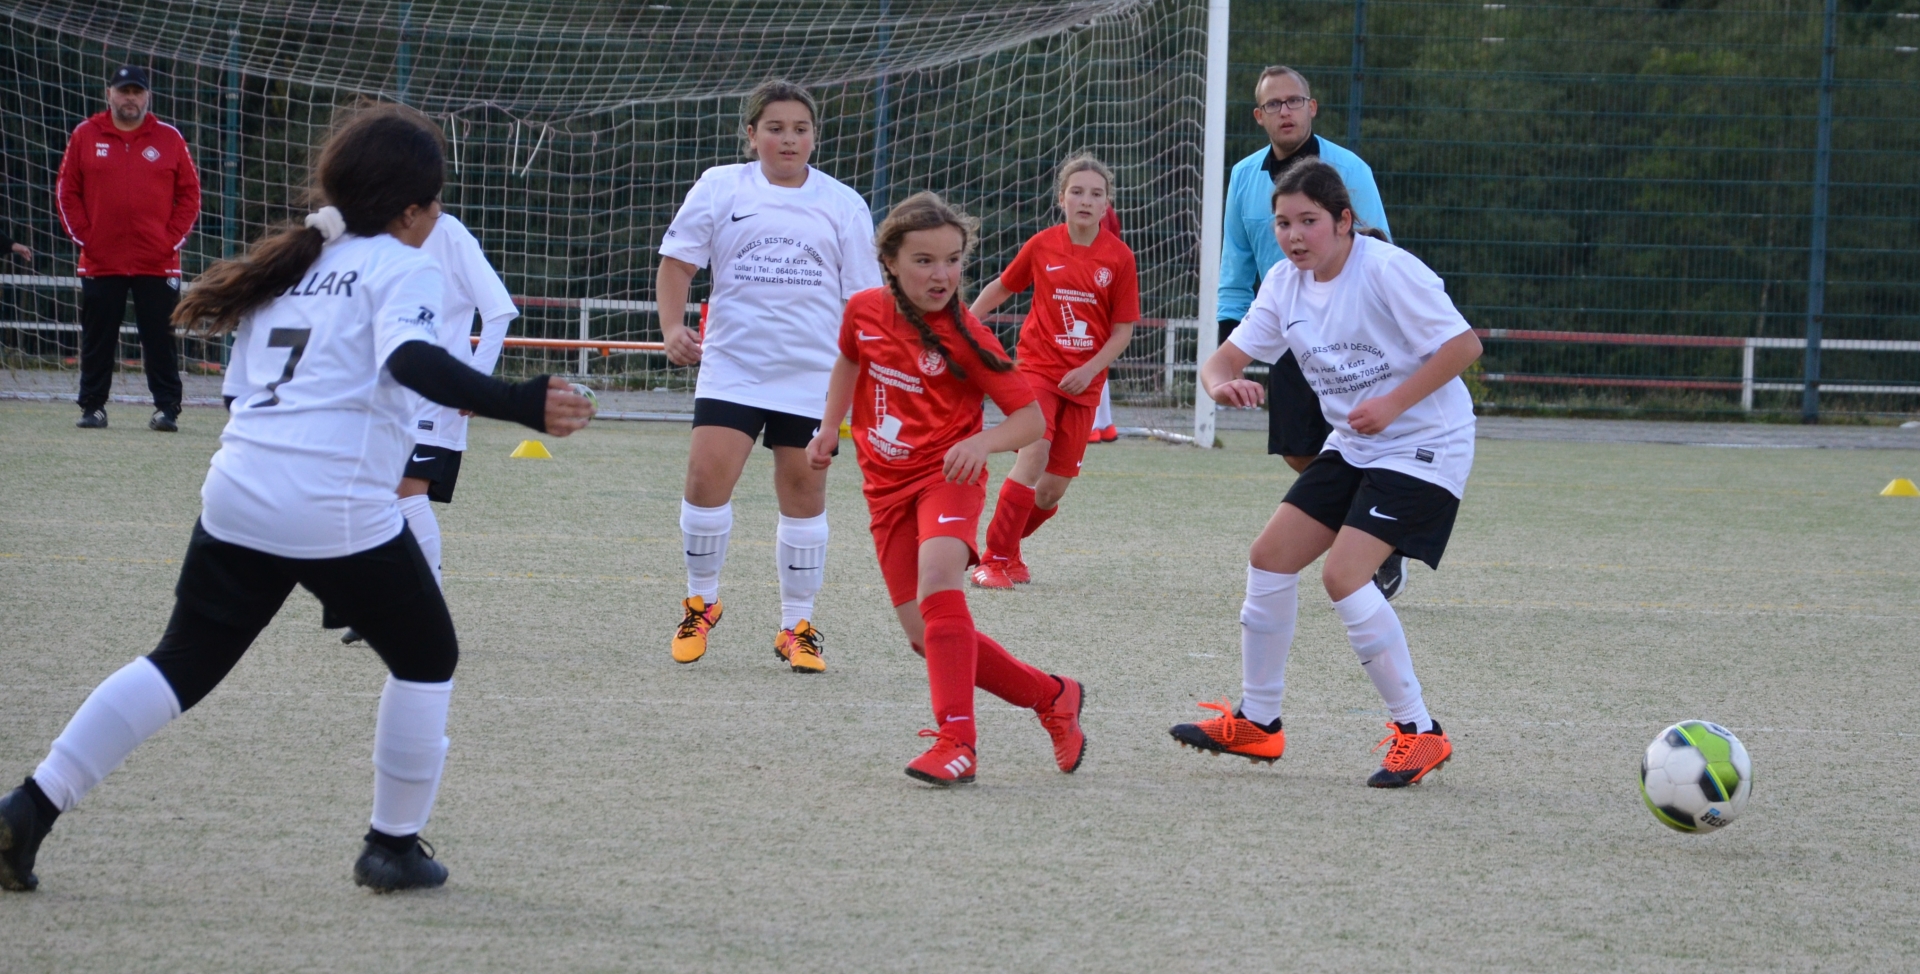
point(1086, 300)
point(914, 365)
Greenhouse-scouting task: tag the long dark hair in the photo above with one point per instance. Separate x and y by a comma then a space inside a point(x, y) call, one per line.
point(379, 160)
point(927, 211)
point(1321, 183)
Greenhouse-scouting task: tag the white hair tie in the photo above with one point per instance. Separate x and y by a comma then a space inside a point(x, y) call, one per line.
point(329, 222)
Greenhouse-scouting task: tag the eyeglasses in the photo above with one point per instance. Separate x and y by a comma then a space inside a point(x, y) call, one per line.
point(1293, 104)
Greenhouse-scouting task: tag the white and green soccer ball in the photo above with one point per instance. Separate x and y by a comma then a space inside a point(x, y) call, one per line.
point(586, 392)
point(1696, 776)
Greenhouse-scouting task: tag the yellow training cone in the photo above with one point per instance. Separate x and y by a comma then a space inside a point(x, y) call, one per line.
point(531, 450)
point(846, 431)
point(1901, 487)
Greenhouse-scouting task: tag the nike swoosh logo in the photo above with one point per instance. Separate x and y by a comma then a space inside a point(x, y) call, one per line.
point(797, 568)
point(944, 519)
point(1290, 324)
point(417, 458)
point(1055, 267)
point(863, 336)
point(737, 217)
point(1375, 511)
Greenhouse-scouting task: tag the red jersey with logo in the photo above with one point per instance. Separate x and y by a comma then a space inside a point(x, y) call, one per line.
point(908, 406)
point(1079, 294)
point(128, 199)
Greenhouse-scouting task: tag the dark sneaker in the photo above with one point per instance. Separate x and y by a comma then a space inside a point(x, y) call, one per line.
point(1411, 755)
point(1392, 576)
point(92, 419)
point(22, 826)
point(163, 422)
point(385, 871)
point(351, 636)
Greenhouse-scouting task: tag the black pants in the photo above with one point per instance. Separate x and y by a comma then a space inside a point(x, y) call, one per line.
point(228, 593)
point(103, 307)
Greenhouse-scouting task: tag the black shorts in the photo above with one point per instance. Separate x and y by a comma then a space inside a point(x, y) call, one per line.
point(227, 593)
point(1414, 516)
point(1295, 425)
point(438, 466)
point(783, 429)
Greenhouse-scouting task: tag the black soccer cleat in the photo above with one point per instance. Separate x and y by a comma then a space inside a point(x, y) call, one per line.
point(1392, 576)
point(351, 636)
point(163, 422)
point(385, 871)
point(92, 419)
point(22, 826)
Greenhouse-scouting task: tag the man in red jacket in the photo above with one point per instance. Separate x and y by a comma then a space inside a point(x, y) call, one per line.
point(128, 195)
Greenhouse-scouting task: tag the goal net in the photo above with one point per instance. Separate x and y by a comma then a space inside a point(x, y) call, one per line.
point(575, 128)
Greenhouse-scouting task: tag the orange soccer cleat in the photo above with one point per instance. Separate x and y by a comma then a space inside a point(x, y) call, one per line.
point(950, 761)
point(1411, 756)
point(1231, 733)
point(800, 647)
point(690, 640)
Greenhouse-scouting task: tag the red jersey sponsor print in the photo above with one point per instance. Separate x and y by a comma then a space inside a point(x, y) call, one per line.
point(909, 407)
point(1079, 294)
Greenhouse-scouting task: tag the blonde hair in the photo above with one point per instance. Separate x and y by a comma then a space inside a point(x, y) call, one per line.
point(1079, 163)
point(927, 211)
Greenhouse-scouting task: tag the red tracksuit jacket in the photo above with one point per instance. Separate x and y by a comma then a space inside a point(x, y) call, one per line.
point(129, 199)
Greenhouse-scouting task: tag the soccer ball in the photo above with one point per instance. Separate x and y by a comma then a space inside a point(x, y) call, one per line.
point(586, 392)
point(1695, 776)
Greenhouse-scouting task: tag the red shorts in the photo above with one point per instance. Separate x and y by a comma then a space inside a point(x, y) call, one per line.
point(1068, 424)
point(938, 510)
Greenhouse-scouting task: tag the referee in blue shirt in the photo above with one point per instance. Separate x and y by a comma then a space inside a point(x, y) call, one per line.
point(1285, 109)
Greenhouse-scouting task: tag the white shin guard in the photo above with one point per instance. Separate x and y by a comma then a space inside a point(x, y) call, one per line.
point(705, 531)
point(409, 753)
point(800, 554)
point(1374, 630)
point(426, 530)
point(125, 709)
point(1266, 637)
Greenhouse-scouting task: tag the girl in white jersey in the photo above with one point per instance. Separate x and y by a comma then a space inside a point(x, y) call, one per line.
point(787, 245)
point(1383, 348)
point(440, 432)
point(333, 323)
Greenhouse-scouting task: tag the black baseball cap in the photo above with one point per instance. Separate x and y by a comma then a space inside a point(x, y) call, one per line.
point(129, 75)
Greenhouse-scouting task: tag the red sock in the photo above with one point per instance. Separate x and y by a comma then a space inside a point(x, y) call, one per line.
point(1010, 517)
point(951, 651)
point(1002, 674)
point(1038, 516)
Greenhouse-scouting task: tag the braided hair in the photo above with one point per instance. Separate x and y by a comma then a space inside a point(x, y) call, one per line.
point(927, 211)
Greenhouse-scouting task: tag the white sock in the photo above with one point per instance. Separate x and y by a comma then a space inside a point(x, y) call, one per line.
point(125, 709)
point(801, 556)
point(705, 530)
point(1103, 413)
point(409, 752)
point(1374, 630)
point(426, 530)
point(1266, 636)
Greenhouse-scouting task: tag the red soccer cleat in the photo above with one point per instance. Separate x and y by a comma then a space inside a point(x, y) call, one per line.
point(1109, 434)
point(991, 574)
point(1061, 718)
point(950, 761)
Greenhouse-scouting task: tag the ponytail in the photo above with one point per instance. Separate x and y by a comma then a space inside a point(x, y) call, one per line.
point(380, 160)
point(927, 211)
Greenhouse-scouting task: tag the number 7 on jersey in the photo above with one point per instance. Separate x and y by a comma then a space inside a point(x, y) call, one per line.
point(293, 338)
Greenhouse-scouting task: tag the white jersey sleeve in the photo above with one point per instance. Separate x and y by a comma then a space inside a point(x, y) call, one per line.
point(1418, 300)
point(409, 313)
point(483, 289)
point(1262, 331)
point(859, 265)
point(690, 235)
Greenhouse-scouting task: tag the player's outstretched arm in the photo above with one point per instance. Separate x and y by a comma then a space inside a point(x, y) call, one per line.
point(1446, 363)
point(670, 288)
point(991, 297)
point(1221, 376)
point(967, 460)
point(839, 398)
point(543, 403)
point(1077, 380)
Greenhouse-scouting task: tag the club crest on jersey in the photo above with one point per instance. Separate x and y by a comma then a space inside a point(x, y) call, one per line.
point(150, 154)
point(932, 363)
point(1102, 276)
